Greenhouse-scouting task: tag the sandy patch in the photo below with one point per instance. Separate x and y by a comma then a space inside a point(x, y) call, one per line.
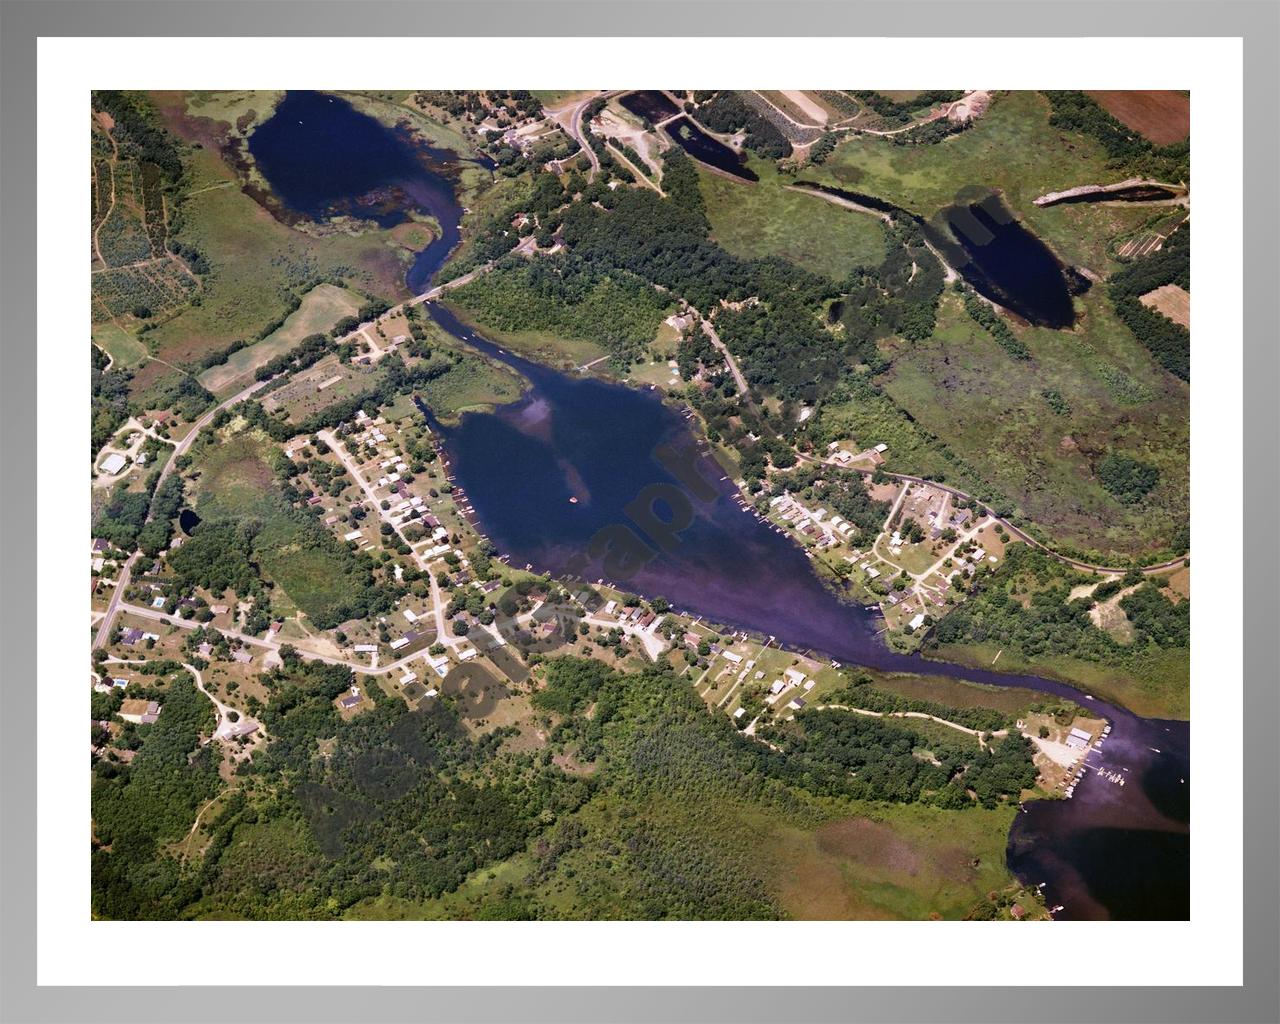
point(815, 112)
point(1171, 300)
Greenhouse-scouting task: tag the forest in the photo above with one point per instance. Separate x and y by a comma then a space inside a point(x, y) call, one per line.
point(900, 296)
point(566, 295)
point(151, 800)
point(728, 113)
point(408, 804)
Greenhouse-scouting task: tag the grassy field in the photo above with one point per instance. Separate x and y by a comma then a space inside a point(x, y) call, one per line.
point(991, 411)
point(1011, 148)
point(958, 694)
point(472, 385)
point(540, 345)
point(119, 344)
point(242, 109)
point(765, 219)
point(321, 308)
point(1158, 687)
point(236, 481)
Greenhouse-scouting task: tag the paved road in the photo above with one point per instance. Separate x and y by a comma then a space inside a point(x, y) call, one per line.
point(437, 598)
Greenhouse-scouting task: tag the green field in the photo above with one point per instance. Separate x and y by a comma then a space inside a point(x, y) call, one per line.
point(257, 265)
point(990, 410)
point(236, 480)
point(119, 344)
point(321, 308)
point(1157, 685)
point(471, 385)
point(1011, 148)
point(544, 346)
point(765, 219)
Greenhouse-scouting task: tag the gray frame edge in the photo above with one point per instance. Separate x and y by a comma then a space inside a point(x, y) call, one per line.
point(23, 21)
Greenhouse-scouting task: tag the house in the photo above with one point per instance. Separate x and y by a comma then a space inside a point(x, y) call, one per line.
point(349, 702)
point(794, 675)
point(408, 614)
point(141, 712)
point(399, 643)
point(243, 656)
point(100, 545)
point(734, 658)
point(353, 535)
point(131, 636)
point(917, 622)
point(1078, 739)
point(796, 704)
point(740, 712)
point(112, 464)
point(880, 449)
point(778, 686)
point(218, 609)
point(873, 573)
point(366, 648)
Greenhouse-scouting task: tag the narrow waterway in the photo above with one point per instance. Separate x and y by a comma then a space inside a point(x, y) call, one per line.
point(603, 481)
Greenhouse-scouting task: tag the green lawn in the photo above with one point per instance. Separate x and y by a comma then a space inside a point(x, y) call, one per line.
point(766, 219)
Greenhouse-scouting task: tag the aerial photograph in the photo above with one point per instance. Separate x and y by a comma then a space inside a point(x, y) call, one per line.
point(652, 504)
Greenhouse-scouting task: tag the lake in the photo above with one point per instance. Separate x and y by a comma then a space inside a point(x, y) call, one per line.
point(325, 159)
point(1004, 261)
point(655, 514)
point(993, 251)
point(649, 104)
point(710, 151)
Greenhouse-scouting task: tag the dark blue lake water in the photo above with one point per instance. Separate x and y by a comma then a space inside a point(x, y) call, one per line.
point(325, 159)
point(1006, 262)
point(994, 252)
point(1112, 851)
point(711, 151)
